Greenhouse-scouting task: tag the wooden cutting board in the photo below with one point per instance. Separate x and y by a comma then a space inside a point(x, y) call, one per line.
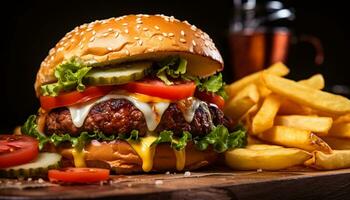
point(223, 184)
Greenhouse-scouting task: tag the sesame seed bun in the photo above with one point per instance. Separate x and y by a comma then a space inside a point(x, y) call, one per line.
point(123, 159)
point(133, 37)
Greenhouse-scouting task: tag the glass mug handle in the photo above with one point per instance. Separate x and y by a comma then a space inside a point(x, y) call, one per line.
point(315, 43)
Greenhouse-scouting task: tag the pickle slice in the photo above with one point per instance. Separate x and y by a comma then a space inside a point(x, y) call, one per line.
point(38, 168)
point(118, 75)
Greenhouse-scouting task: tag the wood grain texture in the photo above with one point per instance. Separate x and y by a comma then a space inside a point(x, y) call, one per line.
point(202, 185)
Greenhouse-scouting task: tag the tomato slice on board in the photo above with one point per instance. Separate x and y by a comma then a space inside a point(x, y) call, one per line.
point(74, 97)
point(78, 175)
point(158, 88)
point(211, 98)
point(17, 150)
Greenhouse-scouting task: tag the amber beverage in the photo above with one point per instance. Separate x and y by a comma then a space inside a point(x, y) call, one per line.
point(255, 50)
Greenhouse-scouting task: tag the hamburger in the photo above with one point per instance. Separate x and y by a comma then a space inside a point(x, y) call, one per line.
point(137, 93)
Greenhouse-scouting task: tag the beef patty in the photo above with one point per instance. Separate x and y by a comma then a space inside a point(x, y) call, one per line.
point(120, 116)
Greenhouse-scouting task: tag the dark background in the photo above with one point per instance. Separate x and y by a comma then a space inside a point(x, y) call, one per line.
point(31, 28)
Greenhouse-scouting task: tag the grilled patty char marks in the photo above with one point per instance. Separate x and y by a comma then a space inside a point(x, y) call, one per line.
point(120, 116)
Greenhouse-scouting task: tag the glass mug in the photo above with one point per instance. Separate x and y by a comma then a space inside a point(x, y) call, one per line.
point(259, 36)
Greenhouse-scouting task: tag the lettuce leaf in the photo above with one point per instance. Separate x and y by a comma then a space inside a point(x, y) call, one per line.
point(167, 137)
point(213, 84)
point(70, 75)
point(30, 128)
point(173, 67)
point(222, 140)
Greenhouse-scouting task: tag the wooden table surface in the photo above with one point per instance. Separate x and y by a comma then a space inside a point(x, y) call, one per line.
point(198, 185)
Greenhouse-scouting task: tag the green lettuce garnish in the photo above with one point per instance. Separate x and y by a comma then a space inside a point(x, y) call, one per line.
point(171, 67)
point(30, 128)
point(167, 137)
point(70, 75)
point(221, 139)
point(213, 84)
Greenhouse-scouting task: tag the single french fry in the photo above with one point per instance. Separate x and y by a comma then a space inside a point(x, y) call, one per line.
point(289, 107)
point(316, 81)
point(293, 137)
point(341, 130)
point(250, 90)
point(318, 125)
point(304, 95)
point(337, 143)
point(342, 119)
point(266, 157)
point(235, 109)
point(338, 159)
point(278, 69)
point(264, 119)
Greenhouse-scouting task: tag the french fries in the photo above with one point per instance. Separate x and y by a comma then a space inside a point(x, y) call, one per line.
point(313, 98)
point(315, 81)
point(289, 107)
point(310, 127)
point(238, 107)
point(341, 130)
point(266, 157)
point(338, 159)
point(278, 69)
point(263, 120)
point(318, 125)
point(336, 143)
point(292, 137)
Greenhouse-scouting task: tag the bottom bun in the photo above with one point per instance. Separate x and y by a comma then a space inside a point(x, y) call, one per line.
point(122, 158)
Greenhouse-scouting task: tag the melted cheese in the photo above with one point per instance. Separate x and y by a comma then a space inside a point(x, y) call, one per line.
point(146, 152)
point(152, 111)
point(189, 111)
point(79, 158)
point(180, 159)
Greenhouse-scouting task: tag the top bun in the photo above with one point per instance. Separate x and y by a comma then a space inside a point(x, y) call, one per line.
point(130, 38)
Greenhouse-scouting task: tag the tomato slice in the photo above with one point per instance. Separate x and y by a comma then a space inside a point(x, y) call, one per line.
point(211, 98)
point(78, 175)
point(158, 88)
point(74, 97)
point(17, 150)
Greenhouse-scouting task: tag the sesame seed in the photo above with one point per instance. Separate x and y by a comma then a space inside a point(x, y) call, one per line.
point(116, 34)
point(146, 15)
point(157, 27)
point(93, 32)
point(126, 31)
point(138, 22)
point(182, 33)
point(127, 52)
point(140, 42)
point(82, 33)
point(104, 22)
point(193, 27)
point(160, 38)
point(92, 39)
point(186, 22)
point(172, 18)
point(69, 36)
point(171, 34)
point(89, 29)
point(165, 34)
point(109, 48)
point(110, 29)
point(81, 46)
point(136, 38)
point(166, 19)
point(197, 35)
point(138, 26)
point(125, 24)
point(72, 40)
point(194, 43)
point(105, 34)
point(182, 40)
point(145, 29)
